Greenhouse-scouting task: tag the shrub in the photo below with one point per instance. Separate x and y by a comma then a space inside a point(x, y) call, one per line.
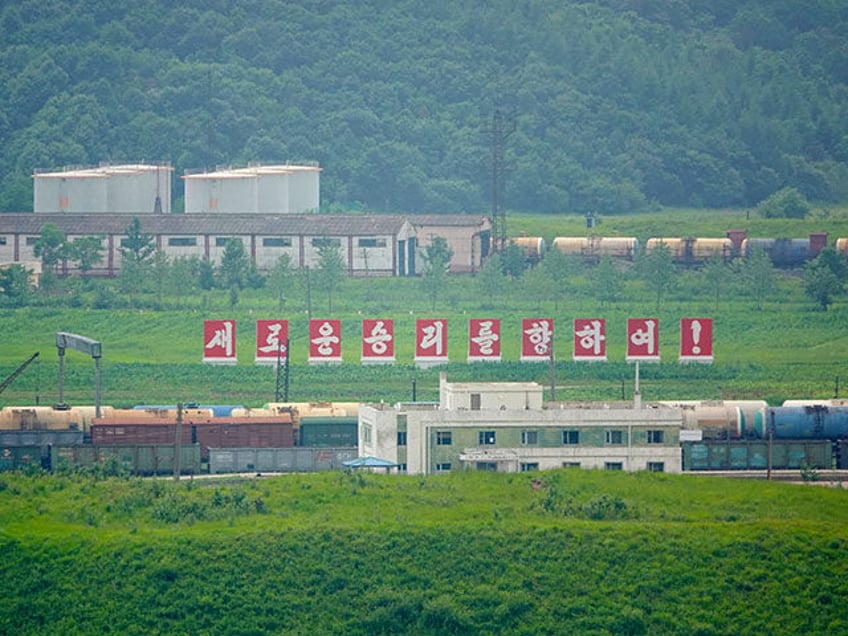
point(787, 203)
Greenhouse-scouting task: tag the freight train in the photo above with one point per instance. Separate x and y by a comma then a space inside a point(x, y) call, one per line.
point(715, 435)
point(685, 251)
point(143, 440)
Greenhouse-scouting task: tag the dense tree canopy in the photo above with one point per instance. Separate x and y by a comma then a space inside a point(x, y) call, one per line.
point(617, 104)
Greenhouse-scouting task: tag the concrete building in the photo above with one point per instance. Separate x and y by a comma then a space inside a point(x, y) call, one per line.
point(119, 189)
point(256, 189)
point(506, 427)
point(379, 245)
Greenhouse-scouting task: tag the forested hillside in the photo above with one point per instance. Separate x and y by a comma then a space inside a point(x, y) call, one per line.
point(617, 104)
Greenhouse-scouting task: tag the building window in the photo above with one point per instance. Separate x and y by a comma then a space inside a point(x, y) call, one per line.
point(490, 467)
point(571, 464)
point(221, 241)
point(31, 240)
point(529, 438)
point(401, 438)
point(656, 467)
point(444, 467)
point(2, 240)
point(613, 437)
point(475, 401)
point(613, 466)
point(443, 438)
point(371, 242)
point(571, 437)
point(528, 466)
point(366, 433)
point(182, 241)
point(486, 438)
point(276, 241)
point(655, 437)
point(326, 242)
point(401, 468)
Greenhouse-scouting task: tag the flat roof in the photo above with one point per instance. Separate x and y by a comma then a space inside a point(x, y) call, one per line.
point(252, 172)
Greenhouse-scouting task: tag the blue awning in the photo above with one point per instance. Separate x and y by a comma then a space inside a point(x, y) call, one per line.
point(369, 462)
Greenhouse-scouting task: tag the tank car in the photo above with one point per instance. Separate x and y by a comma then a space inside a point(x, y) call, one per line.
point(693, 251)
point(31, 418)
point(800, 422)
point(593, 248)
point(533, 247)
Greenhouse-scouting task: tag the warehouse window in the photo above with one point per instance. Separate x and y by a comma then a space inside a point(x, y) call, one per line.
point(475, 401)
point(401, 438)
point(656, 467)
point(490, 467)
point(2, 240)
point(326, 242)
point(571, 464)
point(529, 438)
point(613, 437)
point(276, 241)
point(655, 437)
point(182, 241)
point(443, 438)
point(31, 240)
point(371, 242)
point(486, 438)
point(613, 466)
point(444, 467)
point(221, 241)
point(526, 467)
point(571, 437)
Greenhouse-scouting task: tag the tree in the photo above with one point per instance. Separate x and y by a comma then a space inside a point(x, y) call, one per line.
point(49, 248)
point(607, 282)
point(281, 279)
point(824, 277)
point(86, 251)
point(490, 278)
point(658, 271)
point(758, 275)
point(437, 257)
point(160, 267)
point(513, 261)
point(787, 203)
point(559, 269)
point(232, 273)
point(137, 246)
point(15, 284)
point(330, 271)
point(715, 273)
point(181, 281)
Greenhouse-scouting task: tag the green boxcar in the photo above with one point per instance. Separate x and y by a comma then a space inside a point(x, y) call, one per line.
point(20, 457)
point(139, 459)
point(328, 431)
point(754, 455)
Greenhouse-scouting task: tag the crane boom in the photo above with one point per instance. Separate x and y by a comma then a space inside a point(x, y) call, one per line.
point(17, 372)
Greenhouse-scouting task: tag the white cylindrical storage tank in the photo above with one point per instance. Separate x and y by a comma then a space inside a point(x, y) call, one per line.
point(304, 189)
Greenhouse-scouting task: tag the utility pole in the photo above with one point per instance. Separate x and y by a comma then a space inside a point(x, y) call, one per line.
point(500, 129)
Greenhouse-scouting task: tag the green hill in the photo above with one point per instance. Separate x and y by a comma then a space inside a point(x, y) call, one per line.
point(615, 104)
point(576, 552)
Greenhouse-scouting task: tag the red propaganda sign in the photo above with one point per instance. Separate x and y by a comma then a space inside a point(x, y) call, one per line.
point(378, 341)
point(325, 341)
point(590, 339)
point(431, 341)
point(643, 340)
point(271, 338)
point(696, 340)
point(536, 339)
point(484, 339)
point(219, 341)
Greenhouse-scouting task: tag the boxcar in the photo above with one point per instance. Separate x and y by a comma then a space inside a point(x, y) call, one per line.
point(754, 455)
point(278, 460)
point(139, 459)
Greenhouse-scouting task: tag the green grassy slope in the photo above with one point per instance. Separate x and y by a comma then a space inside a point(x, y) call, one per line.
point(578, 552)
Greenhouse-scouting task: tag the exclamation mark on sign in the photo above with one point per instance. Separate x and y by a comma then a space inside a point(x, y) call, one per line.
point(696, 336)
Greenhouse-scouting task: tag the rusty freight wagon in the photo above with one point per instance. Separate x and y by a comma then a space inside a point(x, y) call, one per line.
point(221, 432)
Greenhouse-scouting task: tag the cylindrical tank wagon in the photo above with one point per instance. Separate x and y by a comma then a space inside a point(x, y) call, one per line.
point(693, 251)
point(800, 422)
point(593, 248)
point(34, 418)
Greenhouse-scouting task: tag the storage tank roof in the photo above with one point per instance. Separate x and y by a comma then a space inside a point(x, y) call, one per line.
point(252, 172)
point(103, 172)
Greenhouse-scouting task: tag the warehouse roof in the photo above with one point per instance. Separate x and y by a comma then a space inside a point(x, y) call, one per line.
point(198, 224)
point(460, 220)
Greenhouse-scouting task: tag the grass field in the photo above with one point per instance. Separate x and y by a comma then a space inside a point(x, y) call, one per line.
point(586, 552)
